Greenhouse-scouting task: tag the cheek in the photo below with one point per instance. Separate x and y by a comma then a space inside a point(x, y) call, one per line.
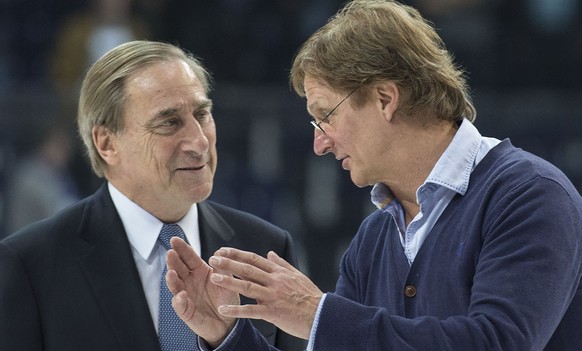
point(149, 150)
point(210, 134)
point(154, 154)
point(348, 142)
point(365, 140)
point(213, 156)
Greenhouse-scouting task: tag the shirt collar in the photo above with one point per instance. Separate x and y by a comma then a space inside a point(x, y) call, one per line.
point(143, 228)
point(452, 169)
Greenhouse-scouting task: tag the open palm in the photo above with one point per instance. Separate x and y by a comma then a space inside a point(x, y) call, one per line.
point(196, 298)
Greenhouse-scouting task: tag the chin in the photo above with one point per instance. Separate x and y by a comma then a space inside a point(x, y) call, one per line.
point(358, 181)
point(200, 192)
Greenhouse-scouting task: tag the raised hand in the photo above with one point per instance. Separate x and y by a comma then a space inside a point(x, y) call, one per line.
point(196, 299)
point(285, 296)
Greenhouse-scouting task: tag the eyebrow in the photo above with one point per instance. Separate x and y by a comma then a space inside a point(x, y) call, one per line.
point(206, 103)
point(315, 110)
point(171, 111)
point(166, 112)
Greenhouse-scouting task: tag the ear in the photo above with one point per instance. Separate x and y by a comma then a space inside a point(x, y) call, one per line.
point(104, 142)
point(389, 95)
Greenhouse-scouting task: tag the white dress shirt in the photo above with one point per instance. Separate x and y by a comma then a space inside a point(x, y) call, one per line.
point(142, 230)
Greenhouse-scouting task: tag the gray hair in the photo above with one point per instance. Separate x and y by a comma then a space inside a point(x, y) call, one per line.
point(103, 95)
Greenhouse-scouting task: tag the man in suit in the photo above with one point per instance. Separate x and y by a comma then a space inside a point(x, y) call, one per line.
point(92, 276)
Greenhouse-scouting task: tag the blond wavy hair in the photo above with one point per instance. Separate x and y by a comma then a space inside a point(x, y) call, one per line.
point(103, 95)
point(370, 41)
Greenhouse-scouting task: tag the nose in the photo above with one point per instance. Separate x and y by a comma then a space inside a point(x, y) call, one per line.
point(322, 143)
point(194, 138)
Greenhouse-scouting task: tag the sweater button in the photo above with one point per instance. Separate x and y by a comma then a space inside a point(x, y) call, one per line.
point(410, 291)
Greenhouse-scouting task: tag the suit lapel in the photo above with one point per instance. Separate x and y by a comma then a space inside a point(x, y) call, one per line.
point(215, 232)
point(105, 256)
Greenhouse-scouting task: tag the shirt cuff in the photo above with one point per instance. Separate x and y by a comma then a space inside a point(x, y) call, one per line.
point(203, 346)
point(311, 342)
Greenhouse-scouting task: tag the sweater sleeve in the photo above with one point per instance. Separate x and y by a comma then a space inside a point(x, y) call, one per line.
point(244, 337)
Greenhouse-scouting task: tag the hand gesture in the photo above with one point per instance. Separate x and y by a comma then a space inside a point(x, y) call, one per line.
point(196, 299)
point(285, 296)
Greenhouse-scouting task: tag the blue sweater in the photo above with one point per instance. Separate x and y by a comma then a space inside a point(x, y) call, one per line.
point(500, 270)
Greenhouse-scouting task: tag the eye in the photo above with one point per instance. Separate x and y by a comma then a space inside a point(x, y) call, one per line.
point(166, 126)
point(170, 122)
point(202, 116)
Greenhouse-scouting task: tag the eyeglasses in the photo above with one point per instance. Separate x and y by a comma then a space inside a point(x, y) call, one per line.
point(317, 125)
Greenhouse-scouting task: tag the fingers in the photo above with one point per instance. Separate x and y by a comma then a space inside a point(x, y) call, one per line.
point(254, 271)
point(176, 264)
point(273, 257)
point(180, 303)
point(175, 284)
point(244, 311)
point(186, 253)
point(242, 287)
point(182, 259)
point(244, 271)
point(246, 257)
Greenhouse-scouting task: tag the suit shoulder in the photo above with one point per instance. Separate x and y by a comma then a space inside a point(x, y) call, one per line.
point(248, 231)
point(47, 231)
point(247, 220)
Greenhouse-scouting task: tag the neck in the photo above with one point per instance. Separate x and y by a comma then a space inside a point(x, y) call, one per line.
point(166, 210)
point(422, 147)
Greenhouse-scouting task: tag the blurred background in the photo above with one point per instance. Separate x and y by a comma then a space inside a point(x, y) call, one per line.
point(523, 58)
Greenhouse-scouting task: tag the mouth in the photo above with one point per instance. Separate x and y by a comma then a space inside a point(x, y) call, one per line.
point(191, 168)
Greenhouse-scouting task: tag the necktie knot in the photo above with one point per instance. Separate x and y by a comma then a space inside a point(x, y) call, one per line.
point(169, 231)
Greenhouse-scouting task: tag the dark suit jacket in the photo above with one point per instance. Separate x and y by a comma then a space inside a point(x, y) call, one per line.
point(70, 282)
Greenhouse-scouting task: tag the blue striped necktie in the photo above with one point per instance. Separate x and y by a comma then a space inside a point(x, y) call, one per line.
point(174, 334)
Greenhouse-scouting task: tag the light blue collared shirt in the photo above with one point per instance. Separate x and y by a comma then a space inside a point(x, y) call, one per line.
point(449, 176)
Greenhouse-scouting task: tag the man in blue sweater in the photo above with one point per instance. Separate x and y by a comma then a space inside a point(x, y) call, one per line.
point(476, 244)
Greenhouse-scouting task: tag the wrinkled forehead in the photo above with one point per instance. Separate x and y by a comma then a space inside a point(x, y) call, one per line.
point(319, 93)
